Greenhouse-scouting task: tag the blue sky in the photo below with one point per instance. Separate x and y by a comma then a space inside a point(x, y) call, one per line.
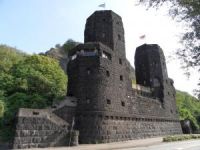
point(35, 26)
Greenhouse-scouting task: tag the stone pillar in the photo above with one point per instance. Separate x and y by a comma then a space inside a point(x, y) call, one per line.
point(74, 138)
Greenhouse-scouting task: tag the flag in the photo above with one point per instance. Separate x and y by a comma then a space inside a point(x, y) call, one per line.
point(142, 36)
point(102, 5)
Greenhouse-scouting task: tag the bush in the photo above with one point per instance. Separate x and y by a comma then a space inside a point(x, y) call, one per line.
point(189, 108)
point(41, 75)
point(181, 137)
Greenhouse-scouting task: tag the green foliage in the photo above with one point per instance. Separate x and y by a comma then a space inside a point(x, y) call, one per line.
point(6, 133)
point(184, 137)
point(9, 56)
point(7, 82)
point(2, 105)
point(26, 81)
point(2, 108)
point(41, 75)
point(189, 108)
point(22, 100)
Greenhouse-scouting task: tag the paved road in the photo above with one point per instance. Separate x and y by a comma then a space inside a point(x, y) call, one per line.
point(185, 145)
point(142, 144)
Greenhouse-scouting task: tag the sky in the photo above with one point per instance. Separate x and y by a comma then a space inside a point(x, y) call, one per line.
point(35, 26)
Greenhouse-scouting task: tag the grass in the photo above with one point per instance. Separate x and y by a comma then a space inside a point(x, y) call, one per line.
point(181, 137)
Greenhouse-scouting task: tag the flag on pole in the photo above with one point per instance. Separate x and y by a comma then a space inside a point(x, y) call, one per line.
point(102, 5)
point(142, 37)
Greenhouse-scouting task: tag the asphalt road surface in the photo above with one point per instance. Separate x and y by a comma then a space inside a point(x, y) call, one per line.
point(184, 145)
point(142, 144)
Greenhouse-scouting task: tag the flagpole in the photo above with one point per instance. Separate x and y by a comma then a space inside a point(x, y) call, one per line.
point(103, 5)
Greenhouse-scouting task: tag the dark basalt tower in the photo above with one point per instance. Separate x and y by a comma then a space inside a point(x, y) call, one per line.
point(109, 109)
point(150, 68)
point(106, 27)
point(151, 71)
point(98, 76)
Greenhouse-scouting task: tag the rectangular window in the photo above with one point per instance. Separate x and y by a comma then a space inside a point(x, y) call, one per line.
point(123, 103)
point(89, 52)
point(107, 73)
point(119, 37)
point(108, 101)
point(120, 61)
point(121, 78)
point(35, 113)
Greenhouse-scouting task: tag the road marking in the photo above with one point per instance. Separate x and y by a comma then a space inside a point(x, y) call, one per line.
point(179, 148)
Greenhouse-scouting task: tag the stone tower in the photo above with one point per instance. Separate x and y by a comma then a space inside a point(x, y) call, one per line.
point(98, 76)
point(109, 108)
point(106, 27)
point(97, 73)
point(151, 69)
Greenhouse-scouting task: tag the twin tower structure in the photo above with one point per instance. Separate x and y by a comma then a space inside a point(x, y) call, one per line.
point(103, 104)
point(110, 108)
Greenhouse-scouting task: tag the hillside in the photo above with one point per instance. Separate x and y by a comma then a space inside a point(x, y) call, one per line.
point(188, 108)
point(60, 53)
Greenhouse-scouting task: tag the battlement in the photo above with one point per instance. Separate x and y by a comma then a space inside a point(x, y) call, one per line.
point(91, 49)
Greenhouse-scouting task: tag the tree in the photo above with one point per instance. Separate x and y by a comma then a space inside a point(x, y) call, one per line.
point(40, 75)
point(26, 81)
point(188, 108)
point(9, 56)
point(188, 12)
point(2, 105)
point(18, 100)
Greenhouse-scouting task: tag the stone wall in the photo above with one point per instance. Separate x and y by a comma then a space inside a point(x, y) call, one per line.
point(99, 78)
point(65, 109)
point(105, 128)
point(101, 99)
point(39, 128)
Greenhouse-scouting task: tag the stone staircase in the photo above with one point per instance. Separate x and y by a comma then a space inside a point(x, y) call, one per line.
point(39, 128)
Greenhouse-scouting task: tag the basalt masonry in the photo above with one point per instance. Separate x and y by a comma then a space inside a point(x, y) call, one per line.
point(109, 107)
point(51, 127)
point(102, 104)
